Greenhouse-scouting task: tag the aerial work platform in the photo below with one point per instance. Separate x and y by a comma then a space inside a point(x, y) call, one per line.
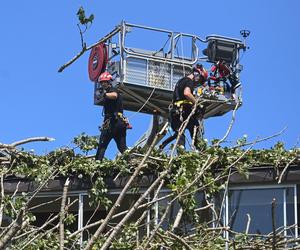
point(147, 77)
point(147, 62)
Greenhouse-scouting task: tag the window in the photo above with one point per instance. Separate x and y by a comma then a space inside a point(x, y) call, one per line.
point(93, 214)
point(186, 223)
point(257, 202)
point(46, 209)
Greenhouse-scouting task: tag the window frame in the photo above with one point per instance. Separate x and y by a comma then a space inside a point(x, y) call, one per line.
point(259, 187)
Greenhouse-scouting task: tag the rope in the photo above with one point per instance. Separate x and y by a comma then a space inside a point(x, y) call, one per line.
point(135, 113)
point(162, 49)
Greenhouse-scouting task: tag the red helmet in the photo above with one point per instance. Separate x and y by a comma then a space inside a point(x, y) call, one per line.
point(105, 76)
point(201, 71)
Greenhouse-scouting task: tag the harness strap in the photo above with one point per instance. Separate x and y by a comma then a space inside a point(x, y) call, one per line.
point(180, 102)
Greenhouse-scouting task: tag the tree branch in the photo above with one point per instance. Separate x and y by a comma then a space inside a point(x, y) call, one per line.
point(84, 49)
point(62, 214)
point(121, 197)
point(14, 228)
point(285, 169)
point(260, 140)
point(33, 139)
point(230, 125)
point(181, 240)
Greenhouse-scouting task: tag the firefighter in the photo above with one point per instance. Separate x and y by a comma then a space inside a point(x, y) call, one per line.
point(182, 105)
point(221, 71)
point(114, 123)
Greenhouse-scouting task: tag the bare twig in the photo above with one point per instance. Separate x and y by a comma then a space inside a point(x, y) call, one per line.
point(16, 190)
point(194, 137)
point(48, 232)
point(181, 240)
point(248, 223)
point(230, 125)
point(150, 157)
point(203, 208)
point(37, 229)
point(142, 217)
point(260, 140)
point(285, 169)
point(52, 175)
point(95, 211)
point(217, 228)
point(206, 165)
point(44, 204)
point(83, 45)
point(163, 239)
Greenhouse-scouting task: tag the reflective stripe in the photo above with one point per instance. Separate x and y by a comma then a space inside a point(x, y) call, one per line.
point(178, 103)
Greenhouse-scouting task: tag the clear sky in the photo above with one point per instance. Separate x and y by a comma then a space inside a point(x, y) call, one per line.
point(39, 36)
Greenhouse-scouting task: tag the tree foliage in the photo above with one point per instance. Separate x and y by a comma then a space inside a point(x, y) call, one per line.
point(189, 173)
point(83, 19)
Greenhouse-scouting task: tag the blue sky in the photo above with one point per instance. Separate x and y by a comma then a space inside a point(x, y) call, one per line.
point(39, 36)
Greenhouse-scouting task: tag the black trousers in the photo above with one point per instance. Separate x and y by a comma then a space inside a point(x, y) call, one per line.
point(116, 129)
point(176, 118)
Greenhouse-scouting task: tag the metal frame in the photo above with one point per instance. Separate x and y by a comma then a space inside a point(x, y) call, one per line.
point(125, 53)
point(80, 216)
point(295, 211)
point(170, 60)
point(173, 36)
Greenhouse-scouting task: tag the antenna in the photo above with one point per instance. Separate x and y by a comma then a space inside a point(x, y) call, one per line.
point(245, 34)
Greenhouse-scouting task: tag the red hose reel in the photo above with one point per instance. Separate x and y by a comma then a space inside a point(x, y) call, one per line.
point(97, 61)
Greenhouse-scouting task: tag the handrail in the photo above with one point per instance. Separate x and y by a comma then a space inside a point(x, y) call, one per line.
point(163, 30)
point(159, 58)
point(147, 27)
point(171, 34)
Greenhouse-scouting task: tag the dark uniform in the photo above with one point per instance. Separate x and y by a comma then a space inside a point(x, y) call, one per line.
point(181, 108)
point(114, 124)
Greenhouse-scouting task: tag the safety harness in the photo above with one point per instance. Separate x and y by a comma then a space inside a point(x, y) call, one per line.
point(124, 119)
point(107, 120)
